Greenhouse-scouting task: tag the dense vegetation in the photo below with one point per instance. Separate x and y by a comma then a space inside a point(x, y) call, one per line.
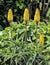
point(16, 50)
point(24, 41)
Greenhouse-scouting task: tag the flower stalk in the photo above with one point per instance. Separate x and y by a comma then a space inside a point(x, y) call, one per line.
point(26, 19)
point(37, 20)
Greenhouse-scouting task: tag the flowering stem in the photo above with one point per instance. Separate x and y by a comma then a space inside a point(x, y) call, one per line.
point(26, 34)
point(36, 31)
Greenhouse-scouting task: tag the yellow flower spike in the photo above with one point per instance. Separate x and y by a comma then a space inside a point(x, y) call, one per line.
point(26, 15)
point(37, 15)
point(41, 40)
point(10, 15)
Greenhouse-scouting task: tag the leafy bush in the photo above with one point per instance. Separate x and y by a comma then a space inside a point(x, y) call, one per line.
point(19, 44)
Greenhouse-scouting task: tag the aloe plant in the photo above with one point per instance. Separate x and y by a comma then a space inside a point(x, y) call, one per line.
point(15, 51)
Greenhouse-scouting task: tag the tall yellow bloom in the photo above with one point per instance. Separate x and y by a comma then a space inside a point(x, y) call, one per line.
point(37, 15)
point(41, 40)
point(10, 15)
point(26, 15)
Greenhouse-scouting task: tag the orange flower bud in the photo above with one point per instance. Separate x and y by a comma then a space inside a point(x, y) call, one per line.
point(26, 15)
point(41, 40)
point(10, 15)
point(37, 15)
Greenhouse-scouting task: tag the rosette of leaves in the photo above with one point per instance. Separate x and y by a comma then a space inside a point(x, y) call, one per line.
point(15, 50)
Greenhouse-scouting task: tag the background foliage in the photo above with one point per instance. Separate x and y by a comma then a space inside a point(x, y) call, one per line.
point(18, 7)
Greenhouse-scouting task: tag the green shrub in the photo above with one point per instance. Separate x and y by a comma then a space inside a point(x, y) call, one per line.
point(19, 46)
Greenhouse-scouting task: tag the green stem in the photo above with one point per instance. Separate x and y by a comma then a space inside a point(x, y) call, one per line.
point(26, 34)
point(36, 31)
